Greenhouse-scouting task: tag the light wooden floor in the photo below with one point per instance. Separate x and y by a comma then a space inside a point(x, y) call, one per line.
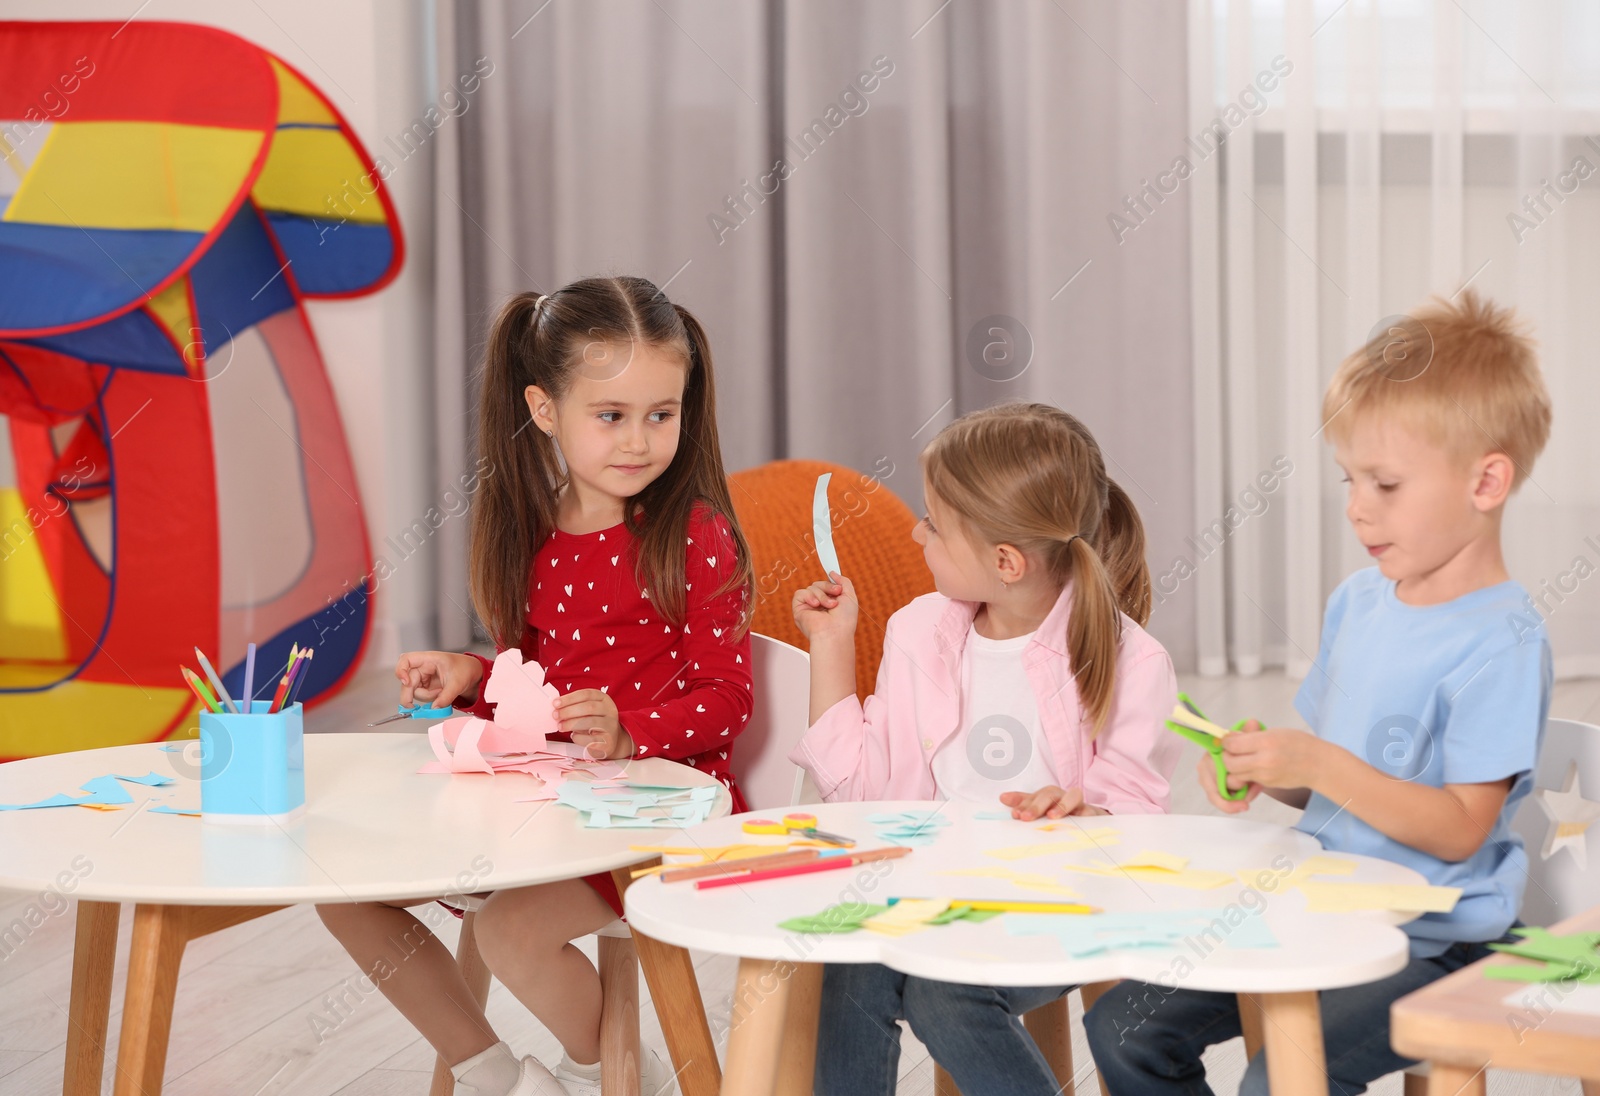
point(272, 1006)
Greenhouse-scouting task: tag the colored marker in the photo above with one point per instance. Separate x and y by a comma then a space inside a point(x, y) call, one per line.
point(249, 676)
point(216, 682)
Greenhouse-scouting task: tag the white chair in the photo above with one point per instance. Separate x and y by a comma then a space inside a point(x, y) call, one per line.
point(1553, 823)
point(781, 687)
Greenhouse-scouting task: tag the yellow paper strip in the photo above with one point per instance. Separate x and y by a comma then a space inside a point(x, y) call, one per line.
point(1348, 897)
point(1150, 858)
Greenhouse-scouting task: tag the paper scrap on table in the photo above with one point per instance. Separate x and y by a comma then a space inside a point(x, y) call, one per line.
point(1349, 897)
point(850, 916)
point(1192, 878)
point(906, 916)
point(1557, 957)
point(1078, 840)
point(687, 806)
point(151, 779)
point(822, 526)
point(190, 811)
point(1093, 934)
point(910, 828)
point(103, 790)
point(993, 816)
point(1152, 858)
point(524, 714)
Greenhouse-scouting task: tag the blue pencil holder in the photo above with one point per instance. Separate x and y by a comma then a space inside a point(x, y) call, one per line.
point(252, 767)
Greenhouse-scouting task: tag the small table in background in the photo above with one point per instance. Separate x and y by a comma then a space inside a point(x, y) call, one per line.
point(1465, 1024)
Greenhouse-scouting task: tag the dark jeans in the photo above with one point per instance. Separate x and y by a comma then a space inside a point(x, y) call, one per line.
point(974, 1032)
point(1147, 1039)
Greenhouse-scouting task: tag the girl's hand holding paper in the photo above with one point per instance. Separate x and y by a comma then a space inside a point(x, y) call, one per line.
point(590, 716)
point(826, 608)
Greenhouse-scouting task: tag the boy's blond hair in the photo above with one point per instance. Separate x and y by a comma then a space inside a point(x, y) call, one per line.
point(1462, 371)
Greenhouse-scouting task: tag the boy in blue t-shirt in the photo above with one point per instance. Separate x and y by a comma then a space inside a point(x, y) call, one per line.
point(1428, 699)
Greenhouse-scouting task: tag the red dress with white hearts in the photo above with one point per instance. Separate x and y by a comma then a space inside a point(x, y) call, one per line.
point(682, 691)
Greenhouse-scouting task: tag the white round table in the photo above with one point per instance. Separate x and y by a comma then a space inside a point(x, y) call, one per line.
point(374, 828)
point(1314, 951)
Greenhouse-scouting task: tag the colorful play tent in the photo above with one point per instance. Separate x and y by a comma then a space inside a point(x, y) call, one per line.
point(173, 468)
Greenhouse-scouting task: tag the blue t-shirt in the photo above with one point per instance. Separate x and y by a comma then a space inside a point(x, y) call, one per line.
point(1455, 693)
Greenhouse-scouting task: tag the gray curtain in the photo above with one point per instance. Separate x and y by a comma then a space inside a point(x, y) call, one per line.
point(886, 215)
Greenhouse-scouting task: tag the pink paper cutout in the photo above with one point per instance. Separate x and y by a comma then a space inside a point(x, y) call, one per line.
point(524, 704)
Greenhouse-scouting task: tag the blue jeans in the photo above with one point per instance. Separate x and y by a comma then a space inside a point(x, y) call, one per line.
point(1147, 1039)
point(974, 1032)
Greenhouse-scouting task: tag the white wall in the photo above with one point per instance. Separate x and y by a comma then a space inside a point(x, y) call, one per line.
point(374, 60)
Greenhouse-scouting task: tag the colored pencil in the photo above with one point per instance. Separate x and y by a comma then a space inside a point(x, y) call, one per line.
point(749, 863)
point(249, 676)
point(216, 682)
point(278, 695)
point(299, 678)
point(822, 863)
point(199, 689)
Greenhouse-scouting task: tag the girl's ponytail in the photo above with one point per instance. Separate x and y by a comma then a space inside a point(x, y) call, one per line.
point(1109, 577)
point(1121, 545)
point(515, 508)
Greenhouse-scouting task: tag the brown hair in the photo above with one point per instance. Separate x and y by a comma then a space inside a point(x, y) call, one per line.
point(1032, 476)
point(1462, 371)
point(542, 340)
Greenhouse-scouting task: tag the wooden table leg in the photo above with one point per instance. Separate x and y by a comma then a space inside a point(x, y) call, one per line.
point(1251, 1023)
point(1292, 1030)
point(154, 955)
point(1448, 1080)
point(797, 1061)
point(755, 1038)
point(155, 952)
point(475, 972)
point(94, 954)
point(1052, 1034)
point(675, 992)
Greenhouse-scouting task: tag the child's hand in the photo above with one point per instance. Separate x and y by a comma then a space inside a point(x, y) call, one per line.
point(437, 678)
point(826, 608)
point(1208, 784)
point(590, 716)
point(1279, 758)
point(1048, 802)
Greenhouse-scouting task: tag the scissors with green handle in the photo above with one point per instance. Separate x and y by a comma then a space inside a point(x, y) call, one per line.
point(1188, 721)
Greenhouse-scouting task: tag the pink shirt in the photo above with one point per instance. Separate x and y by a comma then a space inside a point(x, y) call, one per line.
point(884, 749)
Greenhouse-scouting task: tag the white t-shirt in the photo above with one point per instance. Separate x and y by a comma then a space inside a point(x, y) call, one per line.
point(999, 746)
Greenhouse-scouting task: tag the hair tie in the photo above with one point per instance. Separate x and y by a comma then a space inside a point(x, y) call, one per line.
point(538, 306)
point(1073, 537)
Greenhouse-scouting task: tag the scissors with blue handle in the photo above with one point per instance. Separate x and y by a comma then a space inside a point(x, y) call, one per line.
point(1191, 723)
point(416, 711)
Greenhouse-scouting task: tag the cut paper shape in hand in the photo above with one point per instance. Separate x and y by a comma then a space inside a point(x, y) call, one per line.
point(525, 705)
point(822, 527)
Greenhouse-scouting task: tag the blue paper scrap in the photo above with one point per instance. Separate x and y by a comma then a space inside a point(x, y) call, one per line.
point(103, 791)
point(657, 808)
point(822, 526)
point(1200, 930)
point(910, 828)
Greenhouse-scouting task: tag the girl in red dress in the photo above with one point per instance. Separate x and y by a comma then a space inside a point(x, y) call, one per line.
point(604, 545)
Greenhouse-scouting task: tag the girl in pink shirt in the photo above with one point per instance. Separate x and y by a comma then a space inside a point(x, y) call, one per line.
point(1026, 679)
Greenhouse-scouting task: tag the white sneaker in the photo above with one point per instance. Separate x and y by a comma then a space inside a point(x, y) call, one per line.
point(656, 1078)
point(536, 1080)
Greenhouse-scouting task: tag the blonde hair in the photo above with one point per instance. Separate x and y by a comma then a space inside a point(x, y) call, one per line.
point(1463, 372)
point(1032, 476)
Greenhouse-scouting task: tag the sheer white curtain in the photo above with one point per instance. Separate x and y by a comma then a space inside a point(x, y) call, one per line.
point(936, 242)
point(1405, 148)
